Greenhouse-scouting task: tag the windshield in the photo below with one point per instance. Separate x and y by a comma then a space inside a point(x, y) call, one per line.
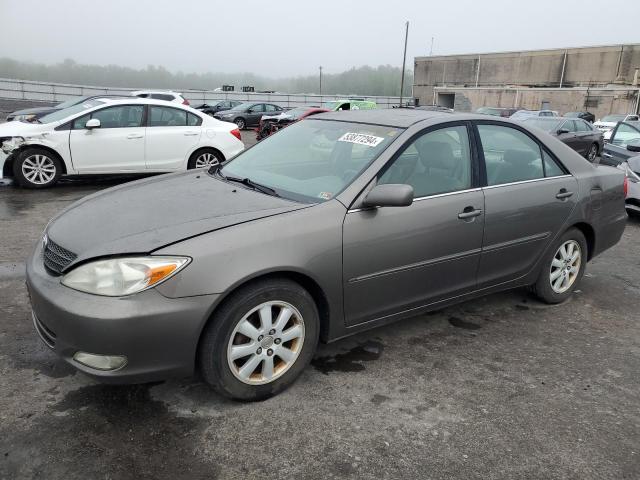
point(67, 112)
point(70, 102)
point(331, 105)
point(546, 124)
point(314, 160)
point(614, 118)
point(242, 106)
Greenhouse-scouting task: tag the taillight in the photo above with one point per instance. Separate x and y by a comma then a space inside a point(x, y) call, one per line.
point(185, 102)
point(625, 186)
point(236, 133)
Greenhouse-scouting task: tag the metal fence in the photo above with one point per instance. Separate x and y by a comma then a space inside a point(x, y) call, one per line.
point(58, 92)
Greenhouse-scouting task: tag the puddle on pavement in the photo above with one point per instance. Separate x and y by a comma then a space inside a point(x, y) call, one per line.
point(351, 361)
point(460, 323)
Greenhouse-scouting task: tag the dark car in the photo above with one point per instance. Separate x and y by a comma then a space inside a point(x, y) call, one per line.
point(576, 133)
point(497, 111)
point(338, 224)
point(33, 114)
point(213, 108)
point(248, 114)
point(586, 116)
point(270, 124)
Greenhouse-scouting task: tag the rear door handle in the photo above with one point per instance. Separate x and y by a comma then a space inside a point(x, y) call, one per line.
point(469, 212)
point(607, 155)
point(134, 135)
point(563, 193)
point(190, 134)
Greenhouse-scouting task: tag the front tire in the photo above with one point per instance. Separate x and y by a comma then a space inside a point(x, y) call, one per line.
point(240, 122)
point(562, 268)
point(37, 168)
point(592, 153)
point(260, 340)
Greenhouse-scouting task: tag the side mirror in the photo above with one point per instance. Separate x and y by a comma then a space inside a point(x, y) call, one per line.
point(91, 124)
point(391, 195)
point(634, 145)
point(562, 131)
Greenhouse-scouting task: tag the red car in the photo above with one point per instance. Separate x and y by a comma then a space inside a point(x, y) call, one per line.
point(272, 123)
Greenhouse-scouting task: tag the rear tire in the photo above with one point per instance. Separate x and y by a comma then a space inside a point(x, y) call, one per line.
point(205, 158)
point(246, 354)
point(240, 122)
point(562, 268)
point(37, 168)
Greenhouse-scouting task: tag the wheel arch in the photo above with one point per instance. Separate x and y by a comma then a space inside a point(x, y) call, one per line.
point(7, 168)
point(589, 235)
point(201, 149)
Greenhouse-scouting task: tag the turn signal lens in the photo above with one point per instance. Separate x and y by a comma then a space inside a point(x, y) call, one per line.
point(123, 276)
point(625, 186)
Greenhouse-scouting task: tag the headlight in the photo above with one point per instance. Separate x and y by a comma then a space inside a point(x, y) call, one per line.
point(11, 144)
point(123, 276)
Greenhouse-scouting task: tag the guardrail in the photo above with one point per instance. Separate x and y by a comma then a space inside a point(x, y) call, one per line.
point(59, 92)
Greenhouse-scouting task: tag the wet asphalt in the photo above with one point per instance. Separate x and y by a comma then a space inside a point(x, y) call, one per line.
point(500, 387)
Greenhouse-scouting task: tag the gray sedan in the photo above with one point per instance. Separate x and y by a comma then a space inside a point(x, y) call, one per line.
point(576, 133)
point(337, 224)
point(623, 151)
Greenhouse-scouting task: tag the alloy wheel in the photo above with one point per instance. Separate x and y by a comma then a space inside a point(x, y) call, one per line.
point(565, 266)
point(39, 169)
point(266, 342)
point(593, 152)
point(206, 159)
point(240, 123)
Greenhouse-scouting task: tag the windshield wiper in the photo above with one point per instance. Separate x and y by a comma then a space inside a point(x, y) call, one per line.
point(249, 183)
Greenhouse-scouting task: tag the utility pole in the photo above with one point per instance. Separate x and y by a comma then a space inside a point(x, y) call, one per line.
point(320, 80)
point(431, 49)
point(404, 60)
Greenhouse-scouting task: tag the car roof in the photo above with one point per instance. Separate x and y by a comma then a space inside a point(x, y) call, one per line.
point(395, 117)
point(144, 101)
point(170, 92)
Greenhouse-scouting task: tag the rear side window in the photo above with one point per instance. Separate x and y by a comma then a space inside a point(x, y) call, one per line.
point(551, 168)
point(510, 155)
point(193, 120)
point(167, 117)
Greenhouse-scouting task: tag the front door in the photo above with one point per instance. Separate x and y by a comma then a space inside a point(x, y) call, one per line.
point(254, 114)
point(400, 258)
point(528, 198)
point(116, 146)
point(615, 152)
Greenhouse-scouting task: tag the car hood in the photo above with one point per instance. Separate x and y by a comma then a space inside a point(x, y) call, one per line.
point(30, 111)
point(24, 129)
point(142, 216)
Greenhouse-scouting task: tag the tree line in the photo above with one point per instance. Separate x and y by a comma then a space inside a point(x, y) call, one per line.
point(383, 80)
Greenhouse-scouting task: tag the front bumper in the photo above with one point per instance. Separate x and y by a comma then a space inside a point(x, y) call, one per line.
point(158, 335)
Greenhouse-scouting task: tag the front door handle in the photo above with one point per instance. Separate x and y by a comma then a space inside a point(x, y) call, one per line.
point(563, 193)
point(469, 212)
point(190, 134)
point(134, 135)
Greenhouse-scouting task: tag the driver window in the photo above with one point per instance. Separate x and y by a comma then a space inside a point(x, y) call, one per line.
point(436, 162)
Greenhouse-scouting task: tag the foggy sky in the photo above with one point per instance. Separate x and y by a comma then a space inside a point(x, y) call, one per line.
point(295, 37)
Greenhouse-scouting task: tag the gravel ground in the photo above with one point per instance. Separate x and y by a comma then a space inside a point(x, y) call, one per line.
point(500, 387)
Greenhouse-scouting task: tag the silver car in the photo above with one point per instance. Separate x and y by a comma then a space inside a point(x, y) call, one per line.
point(334, 225)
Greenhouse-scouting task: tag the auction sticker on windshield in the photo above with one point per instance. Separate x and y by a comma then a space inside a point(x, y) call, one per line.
point(361, 139)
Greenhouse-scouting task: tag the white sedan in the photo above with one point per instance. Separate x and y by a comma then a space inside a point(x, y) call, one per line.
point(122, 135)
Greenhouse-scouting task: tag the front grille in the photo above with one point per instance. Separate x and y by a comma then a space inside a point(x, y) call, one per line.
point(46, 334)
point(56, 258)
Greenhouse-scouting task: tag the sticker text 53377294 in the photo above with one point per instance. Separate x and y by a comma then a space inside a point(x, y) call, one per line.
point(361, 139)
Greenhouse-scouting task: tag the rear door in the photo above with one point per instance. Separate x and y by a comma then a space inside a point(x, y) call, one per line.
point(615, 152)
point(586, 136)
point(116, 146)
point(171, 135)
point(400, 258)
point(570, 138)
point(528, 197)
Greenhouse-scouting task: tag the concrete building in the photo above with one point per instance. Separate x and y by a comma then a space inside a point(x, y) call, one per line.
point(602, 80)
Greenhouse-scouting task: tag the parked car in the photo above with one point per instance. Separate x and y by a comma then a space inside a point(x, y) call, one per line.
point(624, 135)
point(586, 116)
point(132, 135)
point(609, 122)
point(576, 133)
point(631, 168)
point(338, 224)
point(33, 114)
point(497, 111)
point(248, 114)
point(166, 95)
point(520, 114)
point(213, 108)
point(434, 108)
point(272, 123)
point(350, 104)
